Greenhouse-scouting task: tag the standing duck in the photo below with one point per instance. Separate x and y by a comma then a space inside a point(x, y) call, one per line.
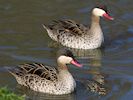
point(43, 78)
point(74, 35)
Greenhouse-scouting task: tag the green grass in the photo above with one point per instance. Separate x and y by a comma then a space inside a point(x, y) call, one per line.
point(6, 94)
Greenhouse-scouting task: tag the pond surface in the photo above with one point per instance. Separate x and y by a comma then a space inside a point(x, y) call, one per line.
point(23, 39)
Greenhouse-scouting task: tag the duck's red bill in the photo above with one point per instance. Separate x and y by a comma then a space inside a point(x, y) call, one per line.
point(76, 63)
point(107, 16)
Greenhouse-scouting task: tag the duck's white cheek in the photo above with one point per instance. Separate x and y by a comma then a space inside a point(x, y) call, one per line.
point(98, 12)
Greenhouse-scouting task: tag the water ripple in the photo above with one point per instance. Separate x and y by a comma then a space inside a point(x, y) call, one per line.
point(8, 47)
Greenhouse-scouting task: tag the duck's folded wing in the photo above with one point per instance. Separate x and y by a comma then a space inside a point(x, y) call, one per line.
point(41, 70)
point(68, 26)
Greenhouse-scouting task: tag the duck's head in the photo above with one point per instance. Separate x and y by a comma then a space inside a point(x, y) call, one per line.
point(68, 58)
point(102, 11)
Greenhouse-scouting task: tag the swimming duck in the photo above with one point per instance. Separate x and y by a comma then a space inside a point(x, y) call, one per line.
point(75, 35)
point(46, 79)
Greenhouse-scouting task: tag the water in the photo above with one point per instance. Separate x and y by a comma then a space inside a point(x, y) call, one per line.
point(23, 39)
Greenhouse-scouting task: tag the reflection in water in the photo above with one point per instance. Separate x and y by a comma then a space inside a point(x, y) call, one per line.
point(96, 87)
point(93, 56)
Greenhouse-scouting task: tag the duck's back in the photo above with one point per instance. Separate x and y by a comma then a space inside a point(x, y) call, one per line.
point(63, 30)
point(35, 76)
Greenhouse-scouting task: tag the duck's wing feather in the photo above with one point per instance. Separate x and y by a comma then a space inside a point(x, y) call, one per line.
point(49, 73)
point(67, 26)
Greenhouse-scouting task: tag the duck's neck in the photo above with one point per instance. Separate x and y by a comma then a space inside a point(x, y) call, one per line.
point(95, 25)
point(65, 79)
point(64, 74)
point(95, 20)
point(95, 31)
point(62, 67)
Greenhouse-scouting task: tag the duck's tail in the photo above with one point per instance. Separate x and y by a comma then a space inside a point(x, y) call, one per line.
point(45, 26)
point(15, 71)
point(51, 31)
